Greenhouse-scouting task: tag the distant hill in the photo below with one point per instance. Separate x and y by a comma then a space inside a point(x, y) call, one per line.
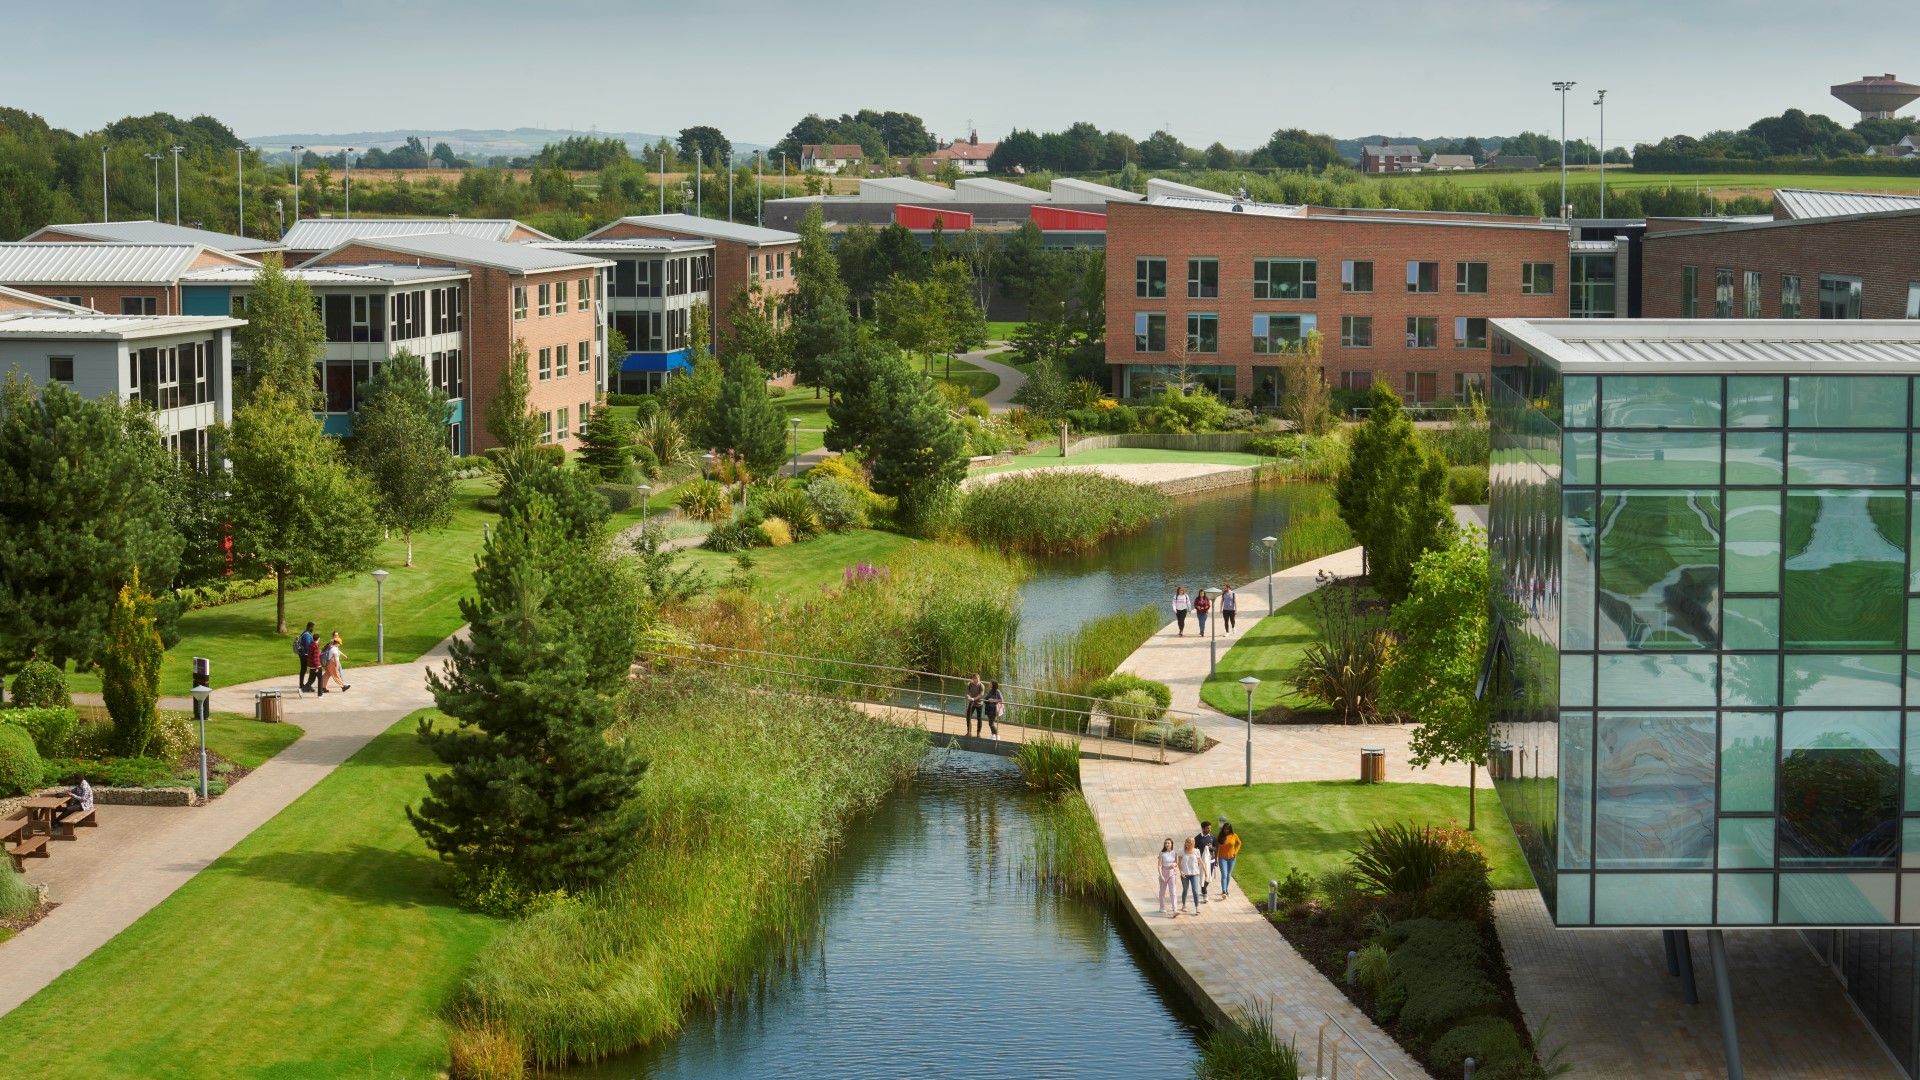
point(466, 142)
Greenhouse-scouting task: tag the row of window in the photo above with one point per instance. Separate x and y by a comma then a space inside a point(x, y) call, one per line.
point(340, 380)
point(554, 363)
point(560, 432)
point(553, 298)
point(1839, 296)
point(1277, 334)
point(1299, 279)
point(653, 331)
point(663, 277)
point(1423, 387)
point(172, 377)
point(361, 317)
point(776, 266)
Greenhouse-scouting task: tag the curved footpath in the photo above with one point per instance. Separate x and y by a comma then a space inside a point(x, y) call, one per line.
point(141, 854)
point(1000, 398)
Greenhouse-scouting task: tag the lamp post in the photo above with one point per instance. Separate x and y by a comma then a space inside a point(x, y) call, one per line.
point(759, 207)
point(1563, 87)
point(729, 187)
point(1251, 684)
point(1601, 101)
point(1213, 625)
point(105, 214)
point(296, 183)
point(202, 691)
point(699, 159)
point(1268, 542)
point(783, 174)
point(794, 423)
point(155, 158)
point(240, 183)
point(176, 151)
point(380, 615)
point(706, 465)
point(346, 162)
point(645, 490)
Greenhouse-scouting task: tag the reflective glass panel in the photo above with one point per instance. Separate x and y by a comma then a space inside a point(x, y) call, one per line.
point(1845, 568)
point(1573, 905)
point(1836, 899)
point(1753, 457)
point(1576, 679)
point(1847, 401)
point(1753, 541)
point(1576, 789)
point(1830, 679)
point(1578, 392)
point(1745, 899)
point(1750, 679)
point(1746, 843)
point(1578, 578)
point(1752, 622)
point(1660, 457)
point(1755, 401)
point(1839, 788)
point(1660, 401)
point(1652, 899)
point(1747, 759)
point(1909, 844)
point(1659, 569)
point(1653, 790)
point(1578, 462)
point(1847, 457)
point(1913, 762)
point(1910, 898)
point(1663, 681)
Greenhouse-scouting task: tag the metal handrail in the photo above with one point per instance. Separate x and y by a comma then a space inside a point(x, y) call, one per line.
point(1357, 1044)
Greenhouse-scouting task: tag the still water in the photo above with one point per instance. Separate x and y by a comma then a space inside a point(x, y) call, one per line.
point(1209, 539)
point(935, 957)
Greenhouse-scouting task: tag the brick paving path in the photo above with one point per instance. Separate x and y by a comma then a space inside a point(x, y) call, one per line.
point(138, 856)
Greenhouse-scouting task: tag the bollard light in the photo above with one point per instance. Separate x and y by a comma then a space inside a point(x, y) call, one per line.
point(1352, 956)
point(380, 615)
point(794, 423)
point(201, 693)
point(1471, 1066)
point(1268, 542)
point(1273, 897)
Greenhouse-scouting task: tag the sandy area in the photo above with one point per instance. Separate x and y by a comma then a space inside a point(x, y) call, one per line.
point(1139, 473)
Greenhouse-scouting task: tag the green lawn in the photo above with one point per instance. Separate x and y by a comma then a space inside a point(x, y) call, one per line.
point(1268, 650)
point(320, 946)
point(1127, 456)
point(812, 411)
point(978, 381)
point(246, 741)
point(804, 568)
point(1002, 331)
point(1313, 825)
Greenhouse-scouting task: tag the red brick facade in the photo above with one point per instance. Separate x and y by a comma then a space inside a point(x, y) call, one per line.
point(1881, 251)
point(106, 298)
point(1389, 241)
point(734, 263)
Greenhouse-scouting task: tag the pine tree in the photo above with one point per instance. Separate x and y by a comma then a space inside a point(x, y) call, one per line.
point(1393, 495)
point(745, 419)
point(754, 333)
point(609, 445)
point(919, 456)
point(515, 427)
point(283, 337)
point(130, 668)
point(860, 405)
point(822, 329)
point(536, 790)
point(400, 444)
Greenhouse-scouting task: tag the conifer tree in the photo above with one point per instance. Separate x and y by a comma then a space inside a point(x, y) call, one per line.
point(822, 329)
point(400, 444)
point(1393, 495)
point(744, 419)
point(511, 422)
point(609, 444)
point(130, 668)
point(919, 456)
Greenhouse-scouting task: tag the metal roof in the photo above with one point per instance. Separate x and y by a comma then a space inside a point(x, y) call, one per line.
point(455, 249)
point(160, 232)
point(29, 324)
point(89, 263)
point(377, 273)
point(1600, 346)
point(1738, 226)
point(709, 228)
point(323, 234)
point(623, 245)
point(1067, 189)
point(1157, 187)
point(1805, 203)
point(1228, 206)
point(987, 189)
point(44, 303)
point(903, 189)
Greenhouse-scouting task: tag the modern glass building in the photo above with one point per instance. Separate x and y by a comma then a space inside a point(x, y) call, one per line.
point(1708, 619)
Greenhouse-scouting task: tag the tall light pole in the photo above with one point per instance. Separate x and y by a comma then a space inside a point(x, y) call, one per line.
point(1602, 102)
point(1563, 87)
point(380, 615)
point(296, 183)
point(202, 691)
point(1268, 542)
point(783, 174)
point(699, 159)
point(645, 490)
point(240, 182)
point(663, 180)
point(346, 160)
point(729, 187)
point(105, 215)
point(1213, 625)
point(759, 204)
point(176, 151)
point(794, 423)
point(1251, 684)
point(155, 158)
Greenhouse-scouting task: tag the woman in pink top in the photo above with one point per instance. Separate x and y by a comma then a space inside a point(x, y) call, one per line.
point(1169, 859)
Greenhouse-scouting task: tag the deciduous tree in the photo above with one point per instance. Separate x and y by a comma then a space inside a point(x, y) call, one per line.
point(1432, 667)
point(400, 444)
point(283, 337)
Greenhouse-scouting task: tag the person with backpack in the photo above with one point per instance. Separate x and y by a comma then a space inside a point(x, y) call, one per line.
point(314, 660)
point(303, 651)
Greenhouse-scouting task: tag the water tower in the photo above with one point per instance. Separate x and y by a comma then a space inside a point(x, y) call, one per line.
point(1877, 97)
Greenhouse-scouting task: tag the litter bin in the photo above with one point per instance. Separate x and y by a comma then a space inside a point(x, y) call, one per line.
point(266, 706)
point(1373, 764)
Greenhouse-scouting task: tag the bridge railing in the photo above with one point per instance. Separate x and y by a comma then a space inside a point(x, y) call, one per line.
point(1103, 727)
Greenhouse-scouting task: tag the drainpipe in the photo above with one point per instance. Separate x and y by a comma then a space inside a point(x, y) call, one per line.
point(1723, 984)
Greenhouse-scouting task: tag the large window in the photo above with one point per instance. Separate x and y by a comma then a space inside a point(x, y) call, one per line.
point(1203, 333)
point(1356, 276)
point(1290, 279)
point(1274, 334)
point(561, 366)
point(1422, 387)
point(563, 428)
point(1839, 297)
point(637, 277)
point(1149, 331)
point(1592, 294)
point(546, 364)
point(349, 317)
point(559, 297)
point(1536, 279)
point(1723, 294)
point(137, 305)
point(1356, 380)
point(1356, 331)
point(519, 302)
point(1470, 277)
point(1150, 279)
point(447, 373)
point(546, 299)
point(1750, 294)
point(407, 315)
point(584, 357)
point(1423, 277)
point(1913, 299)
point(446, 309)
point(585, 296)
point(1423, 332)
point(1469, 333)
point(1203, 279)
point(1689, 292)
point(1790, 296)
point(1469, 386)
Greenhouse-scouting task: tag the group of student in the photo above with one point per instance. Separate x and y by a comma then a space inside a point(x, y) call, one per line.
point(319, 662)
point(985, 706)
point(1202, 857)
point(1202, 606)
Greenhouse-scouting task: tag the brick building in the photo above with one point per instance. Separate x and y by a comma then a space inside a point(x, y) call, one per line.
point(550, 300)
point(1855, 266)
point(114, 278)
point(310, 236)
point(1230, 286)
point(154, 232)
point(741, 254)
point(1389, 157)
point(653, 286)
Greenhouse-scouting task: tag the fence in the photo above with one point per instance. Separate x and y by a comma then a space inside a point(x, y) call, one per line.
point(1116, 729)
point(1326, 1054)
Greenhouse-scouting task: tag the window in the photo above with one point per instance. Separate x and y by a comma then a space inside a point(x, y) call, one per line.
point(1536, 279)
point(1203, 278)
point(546, 299)
point(546, 427)
point(580, 418)
point(137, 305)
point(1689, 292)
point(1470, 277)
point(60, 369)
point(585, 357)
point(546, 364)
point(1356, 380)
point(1723, 294)
point(1423, 277)
point(753, 267)
point(564, 426)
point(1913, 299)
point(1790, 296)
point(1356, 276)
point(447, 375)
point(519, 302)
point(1423, 332)
point(444, 317)
point(1469, 385)
point(1150, 278)
point(769, 268)
point(1203, 333)
point(1422, 386)
point(1150, 331)
point(585, 296)
point(1356, 331)
point(780, 265)
point(1274, 334)
point(1750, 294)
point(559, 297)
point(1839, 297)
point(1289, 279)
point(1469, 333)
point(560, 366)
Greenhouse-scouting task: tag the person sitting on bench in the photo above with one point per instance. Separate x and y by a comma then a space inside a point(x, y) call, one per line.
point(79, 800)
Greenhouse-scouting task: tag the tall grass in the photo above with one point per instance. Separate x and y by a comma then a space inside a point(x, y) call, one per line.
point(1060, 669)
point(1248, 1049)
point(1068, 853)
point(1049, 765)
point(1314, 528)
point(17, 896)
point(747, 795)
point(1052, 511)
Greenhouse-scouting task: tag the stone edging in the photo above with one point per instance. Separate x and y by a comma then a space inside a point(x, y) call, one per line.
point(1215, 441)
point(135, 796)
point(1230, 476)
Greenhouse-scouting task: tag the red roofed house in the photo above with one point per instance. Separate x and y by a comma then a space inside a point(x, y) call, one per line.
point(969, 157)
point(831, 157)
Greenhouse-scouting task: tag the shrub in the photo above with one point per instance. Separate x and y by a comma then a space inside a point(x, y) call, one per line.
point(630, 399)
point(20, 764)
point(1373, 967)
point(17, 897)
point(1296, 887)
point(836, 505)
point(1280, 446)
point(1490, 1041)
point(777, 531)
point(1178, 412)
point(842, 468)
point(1057, 511)
point(1249, 1049)
point(1467, 484)
point(1049, 765)
point(481, 1051)
point(736, 536)
point(1084, 394)
point(978, 407)
point(791, 505)
point(116, 772)
point(702, 500)
point(1437, 872)
point(1438, 977)
point(1120, 682)
point(40, 685)
point(173, 737)
point(618, 496)
point(51, 729)
point(1238, 420)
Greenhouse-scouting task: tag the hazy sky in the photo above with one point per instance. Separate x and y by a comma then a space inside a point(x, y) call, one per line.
point(1231, 71)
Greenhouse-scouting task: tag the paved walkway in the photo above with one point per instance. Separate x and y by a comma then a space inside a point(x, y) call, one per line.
point(140, 855)
point(1000, 398)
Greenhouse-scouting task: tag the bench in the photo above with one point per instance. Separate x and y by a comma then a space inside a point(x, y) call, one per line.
point(63, 829)
point(33, 847)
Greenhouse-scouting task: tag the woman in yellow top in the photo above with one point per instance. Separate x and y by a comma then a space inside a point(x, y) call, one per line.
point(1226, 850)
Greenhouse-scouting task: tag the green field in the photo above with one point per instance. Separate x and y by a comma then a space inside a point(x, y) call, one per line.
point(805, 567)
point(1127, 456)
point(1621, 178)
point(1268, 650)
point(1313, 825)
point(248, 742)
point(320, 946)
point(1002, 331)
point(812, 412)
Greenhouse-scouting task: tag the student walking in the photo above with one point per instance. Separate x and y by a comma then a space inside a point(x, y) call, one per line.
point(1228, 850)
point(1229, 604)
point(1204, 843)
point(976, 694)
point(1182, 603)
point(1202, 605)
point(1169, 862)
point(330, 660)
point(315, 651)
point(303, 649)
point(1189, 879)
point(995, 703)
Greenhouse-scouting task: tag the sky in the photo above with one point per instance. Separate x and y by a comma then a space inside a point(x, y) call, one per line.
point(1231, 72)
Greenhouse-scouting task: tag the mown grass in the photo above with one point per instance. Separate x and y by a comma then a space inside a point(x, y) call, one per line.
point(247, 742)
point(320, 946)
point(1057, 511)
point(804, 568)
point(812, 413)
point(747, 794)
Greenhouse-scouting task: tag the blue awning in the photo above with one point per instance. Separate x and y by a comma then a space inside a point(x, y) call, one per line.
point(677, 360)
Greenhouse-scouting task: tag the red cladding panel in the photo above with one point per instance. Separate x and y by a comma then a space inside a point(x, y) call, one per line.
point(923, 217)
point(1051, 218)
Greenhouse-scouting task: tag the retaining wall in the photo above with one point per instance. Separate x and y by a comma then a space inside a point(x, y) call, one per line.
point(1216, 442)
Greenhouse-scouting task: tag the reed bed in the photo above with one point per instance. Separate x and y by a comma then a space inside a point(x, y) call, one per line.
point(1314, 529)
point(1050, 511)
point(1062, 667)
point(747, 795)
point(1051, 766)
point(1068, 854)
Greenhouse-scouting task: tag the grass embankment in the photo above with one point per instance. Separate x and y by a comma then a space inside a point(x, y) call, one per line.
point(320, 946)
point(747, 795)
point(1057, 511)
point(800, 569)
point(1050, 458)
point(1313, 826)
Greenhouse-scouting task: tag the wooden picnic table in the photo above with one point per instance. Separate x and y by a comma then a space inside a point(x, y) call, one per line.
point(40, 812)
